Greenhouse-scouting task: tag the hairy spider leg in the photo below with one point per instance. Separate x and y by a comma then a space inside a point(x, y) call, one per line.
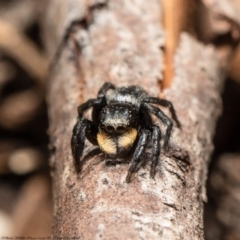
point(80, 130)
point(156, 148)
point(164, 118)
point(99, 102)
point(164, 103)
point(88, 104)
point(102, 97)
point(141, 145)
point(84, 127)
point(105, 87)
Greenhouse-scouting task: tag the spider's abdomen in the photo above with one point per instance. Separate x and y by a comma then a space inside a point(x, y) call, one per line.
point(117, 145)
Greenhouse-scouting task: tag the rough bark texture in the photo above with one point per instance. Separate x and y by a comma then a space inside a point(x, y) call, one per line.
point(121, 41)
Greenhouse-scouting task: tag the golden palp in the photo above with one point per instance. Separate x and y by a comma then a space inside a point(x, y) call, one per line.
point(127, 139)
point(106, 143)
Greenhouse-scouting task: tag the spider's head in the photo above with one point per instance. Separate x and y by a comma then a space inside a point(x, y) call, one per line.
point(117, 118)
point(118, 129)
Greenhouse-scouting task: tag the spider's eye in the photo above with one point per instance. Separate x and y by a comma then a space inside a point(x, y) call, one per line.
point(110, 128)
point(118, 129)
point(121, 129)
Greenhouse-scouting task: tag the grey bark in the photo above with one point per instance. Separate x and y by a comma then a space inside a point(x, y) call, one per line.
point(121, 42)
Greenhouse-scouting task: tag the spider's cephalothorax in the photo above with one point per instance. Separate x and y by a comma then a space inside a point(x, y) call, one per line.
point(121, 125)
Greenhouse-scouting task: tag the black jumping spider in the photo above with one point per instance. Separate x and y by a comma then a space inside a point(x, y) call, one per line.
point(122, 125)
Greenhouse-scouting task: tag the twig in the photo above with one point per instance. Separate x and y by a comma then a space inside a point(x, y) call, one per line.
point(24, 51)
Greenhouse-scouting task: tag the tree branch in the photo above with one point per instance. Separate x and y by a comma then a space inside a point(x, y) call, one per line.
point(121, 42)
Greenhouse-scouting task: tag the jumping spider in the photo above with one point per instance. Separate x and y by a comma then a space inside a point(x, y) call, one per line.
point(122, 125)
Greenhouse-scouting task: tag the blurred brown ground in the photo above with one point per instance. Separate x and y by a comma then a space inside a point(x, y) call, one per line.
point(25, 185)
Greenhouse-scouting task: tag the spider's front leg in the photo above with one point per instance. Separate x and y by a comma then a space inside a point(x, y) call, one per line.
point(165, 103)
point(164, 118)
point(142, 143)
point(83, 128)
point(105, 87)
point(156, 148)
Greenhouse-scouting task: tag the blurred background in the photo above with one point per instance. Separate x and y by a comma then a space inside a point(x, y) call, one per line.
point(25, 183)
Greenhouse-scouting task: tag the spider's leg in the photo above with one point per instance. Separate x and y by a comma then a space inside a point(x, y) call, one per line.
point(88, 104)
point(81, 130)
point(103, 90)
point(156, 148)
point(141, 145)
point(167, 104)
point(164, 118)
point(97, 104)
point(101, 98)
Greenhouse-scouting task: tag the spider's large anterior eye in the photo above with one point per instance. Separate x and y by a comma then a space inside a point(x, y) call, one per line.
point(110, 128)
point(121, 129)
